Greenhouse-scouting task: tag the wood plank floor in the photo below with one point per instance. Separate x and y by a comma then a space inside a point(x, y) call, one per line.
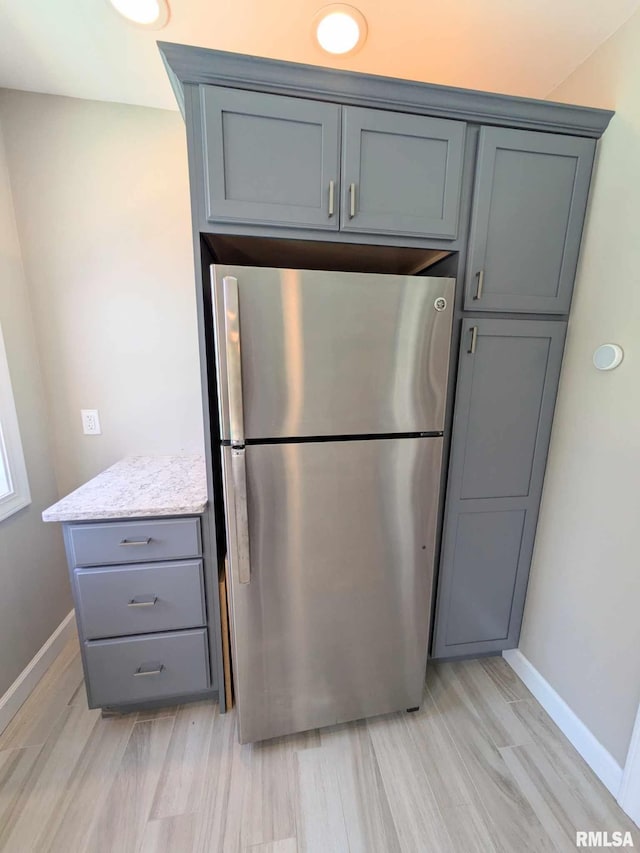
point(480, 767)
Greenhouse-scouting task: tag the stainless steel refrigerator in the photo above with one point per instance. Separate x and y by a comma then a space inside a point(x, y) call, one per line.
point(331, 392)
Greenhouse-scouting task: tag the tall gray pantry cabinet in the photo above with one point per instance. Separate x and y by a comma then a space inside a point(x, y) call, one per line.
point(507, 379)
point(294, 165)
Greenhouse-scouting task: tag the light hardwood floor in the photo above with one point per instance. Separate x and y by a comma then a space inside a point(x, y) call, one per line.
point(480, 767)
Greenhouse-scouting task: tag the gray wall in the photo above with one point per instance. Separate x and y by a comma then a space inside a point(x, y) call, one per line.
point(34, 590)
point(101, 200)
point(582, 620)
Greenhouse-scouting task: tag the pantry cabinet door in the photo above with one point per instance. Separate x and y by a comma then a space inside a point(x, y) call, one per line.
point(528, 211)
point(507, 382)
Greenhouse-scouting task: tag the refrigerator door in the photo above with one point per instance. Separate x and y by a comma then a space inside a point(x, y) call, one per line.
point(333, 622)
point(330, 353)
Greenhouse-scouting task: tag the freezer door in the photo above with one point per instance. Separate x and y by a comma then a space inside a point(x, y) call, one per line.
point(330, 353)
point(330, 621)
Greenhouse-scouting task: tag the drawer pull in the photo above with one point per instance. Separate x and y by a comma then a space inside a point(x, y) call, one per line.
point(135, 541)
point(149, 602)
point(157, 671)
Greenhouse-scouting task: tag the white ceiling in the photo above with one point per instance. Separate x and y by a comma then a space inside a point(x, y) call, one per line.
point(82, 48)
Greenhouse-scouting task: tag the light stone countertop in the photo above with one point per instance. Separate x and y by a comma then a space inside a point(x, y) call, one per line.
point(138, 487)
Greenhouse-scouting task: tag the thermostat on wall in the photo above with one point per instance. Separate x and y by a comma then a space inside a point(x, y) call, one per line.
point(608, 356)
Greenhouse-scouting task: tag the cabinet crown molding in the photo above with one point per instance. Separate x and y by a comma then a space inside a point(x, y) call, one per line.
point(199, 65)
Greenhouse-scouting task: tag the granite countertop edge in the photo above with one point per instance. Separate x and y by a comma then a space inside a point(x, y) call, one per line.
point(137, 487)
point(138, 512)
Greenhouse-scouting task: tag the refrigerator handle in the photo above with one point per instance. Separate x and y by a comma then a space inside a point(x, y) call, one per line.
point(239, 474)
point(234, 363)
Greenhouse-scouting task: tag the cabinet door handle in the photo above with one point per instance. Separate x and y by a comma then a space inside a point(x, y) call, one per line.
point(480, 285)
point(135, 541)
point(352, 200)
point(332, 191)
point(474, 340)
point(145, 602)
point(157, 671)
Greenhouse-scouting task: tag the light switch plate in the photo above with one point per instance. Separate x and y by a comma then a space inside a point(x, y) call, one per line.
point(90, 422)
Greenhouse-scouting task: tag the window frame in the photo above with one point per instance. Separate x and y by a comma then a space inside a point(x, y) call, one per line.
point(11, 451)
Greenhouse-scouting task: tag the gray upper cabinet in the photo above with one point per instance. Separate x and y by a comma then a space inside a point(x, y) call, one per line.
point(507, 381)
point(528, 210)
point(401, 173)
point(270, 159)
point(274, 160)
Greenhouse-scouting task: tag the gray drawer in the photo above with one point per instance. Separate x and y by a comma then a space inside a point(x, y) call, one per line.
point(133, 541)
point(177, 664)
point(122, 600)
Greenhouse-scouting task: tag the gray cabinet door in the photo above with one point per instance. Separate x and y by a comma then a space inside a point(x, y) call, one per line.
point(401, 173)
point(270, 159)
point(504, 409)
point(528, 210)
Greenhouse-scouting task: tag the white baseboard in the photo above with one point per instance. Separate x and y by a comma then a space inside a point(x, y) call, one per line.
point(19, 691)
point(629, 794)
point(597, 757)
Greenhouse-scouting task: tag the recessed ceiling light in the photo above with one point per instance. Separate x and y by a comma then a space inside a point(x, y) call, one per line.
point(152, 14)
point(340, 29)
